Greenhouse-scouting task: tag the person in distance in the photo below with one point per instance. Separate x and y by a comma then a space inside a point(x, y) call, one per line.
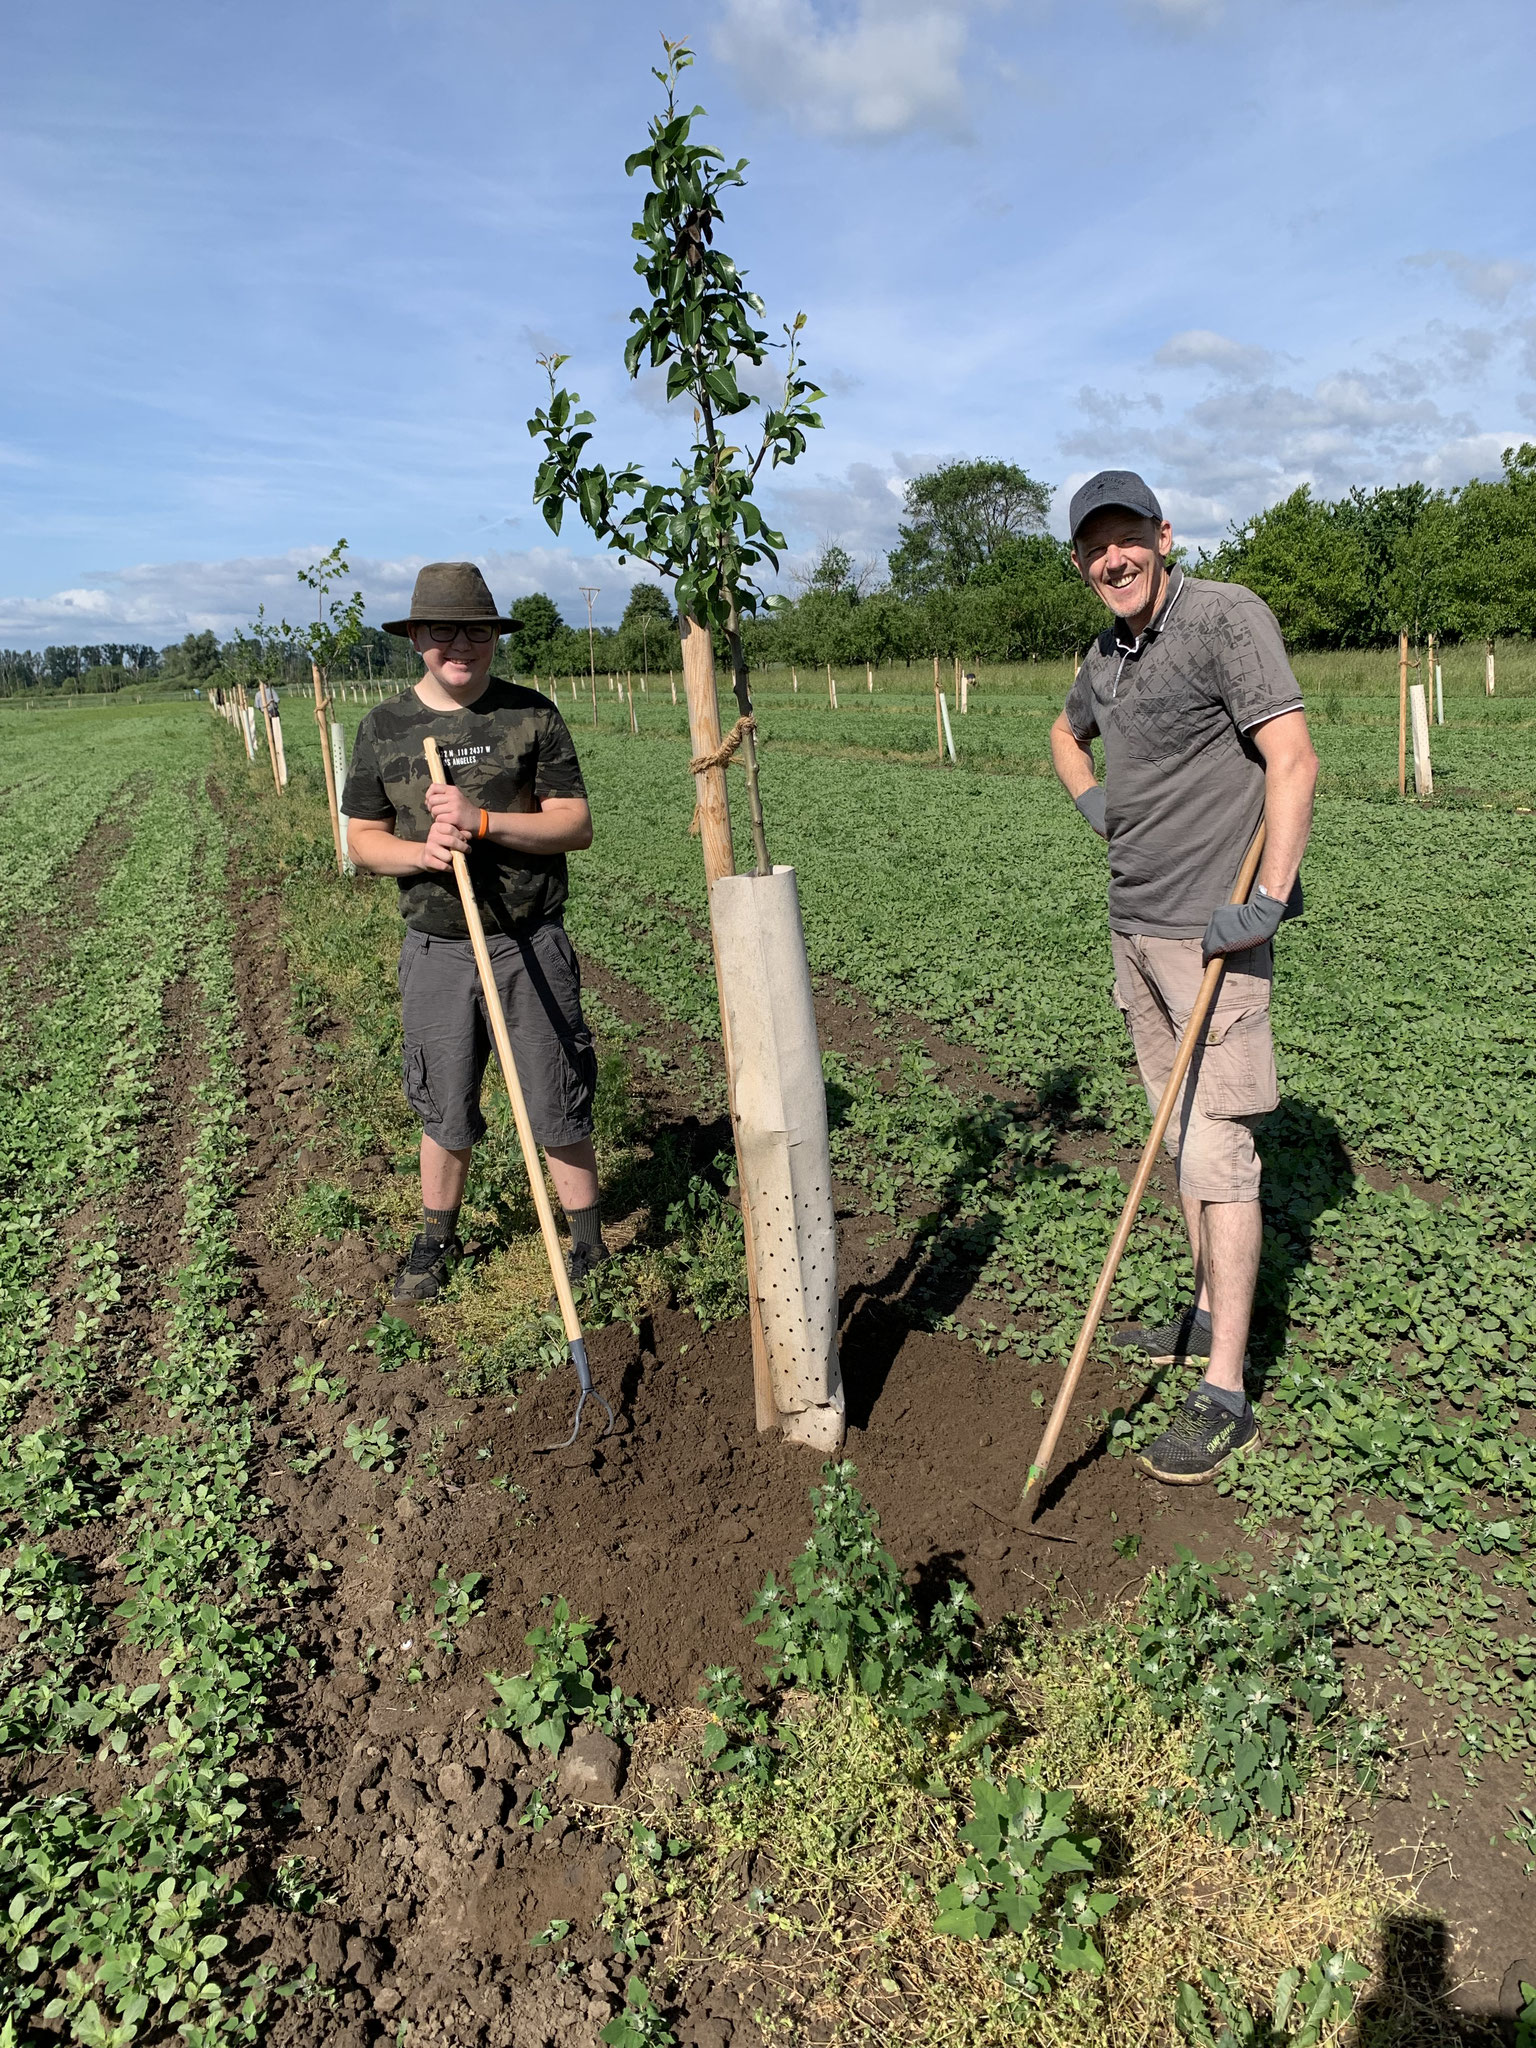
point(1204, 734)
point(514, 806)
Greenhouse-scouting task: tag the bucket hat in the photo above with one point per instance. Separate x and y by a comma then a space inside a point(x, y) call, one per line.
point(456, 594)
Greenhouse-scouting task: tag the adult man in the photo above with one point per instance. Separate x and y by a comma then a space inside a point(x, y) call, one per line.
point(1203, 735)
point(514, 805)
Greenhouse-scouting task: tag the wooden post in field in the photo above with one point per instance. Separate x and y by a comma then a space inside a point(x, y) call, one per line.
point(938, 710)
point(1429, 675)
point(794, 676)
point(965, 692)
point(1423, 774)
point(322, 722)
point(714, 819)
point(1402, 714)
point(1488, 666)
point(831, 688)
point(633, 726)
point(869, 678)
point(935, 671)
point(673, 681)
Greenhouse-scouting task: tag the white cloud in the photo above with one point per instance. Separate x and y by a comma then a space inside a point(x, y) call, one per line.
point(861, 510)
point(891, 69)
point(1198, 348)
point(1489, 280)
point(1182, 13)
point(1253, 440)
point(1453, 462)
point(160, 602)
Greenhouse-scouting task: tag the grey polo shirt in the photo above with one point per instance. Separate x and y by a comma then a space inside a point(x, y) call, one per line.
point(1183, 781)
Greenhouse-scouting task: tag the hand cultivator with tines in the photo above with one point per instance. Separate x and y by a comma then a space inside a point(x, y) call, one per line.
point(525, 1137)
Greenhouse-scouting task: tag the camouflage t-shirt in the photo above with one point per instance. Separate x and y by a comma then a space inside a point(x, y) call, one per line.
point(506, 751)
point(1183, 781)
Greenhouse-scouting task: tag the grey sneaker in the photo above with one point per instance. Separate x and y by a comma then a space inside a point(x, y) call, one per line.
point(1198, 1441)
point(423, 1272)
point(1169, 1343)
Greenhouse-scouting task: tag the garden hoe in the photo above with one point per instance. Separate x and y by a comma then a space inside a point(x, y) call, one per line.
point(1194, 1033)
point(525, 1137)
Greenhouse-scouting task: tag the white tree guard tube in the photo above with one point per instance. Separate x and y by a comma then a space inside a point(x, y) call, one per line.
point(781, 1111)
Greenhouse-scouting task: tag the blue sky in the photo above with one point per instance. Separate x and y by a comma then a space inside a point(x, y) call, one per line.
point(278, 274)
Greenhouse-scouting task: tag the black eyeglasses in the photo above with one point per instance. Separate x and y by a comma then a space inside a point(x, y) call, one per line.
point(477, 636)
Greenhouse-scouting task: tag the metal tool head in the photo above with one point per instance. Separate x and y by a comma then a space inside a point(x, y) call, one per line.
point(588, 1393)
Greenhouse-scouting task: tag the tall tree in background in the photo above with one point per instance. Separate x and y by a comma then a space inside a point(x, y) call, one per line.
point(958, 516)
point(532, 650)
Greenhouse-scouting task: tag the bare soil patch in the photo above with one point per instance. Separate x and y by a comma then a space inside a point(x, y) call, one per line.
point(382, 1774)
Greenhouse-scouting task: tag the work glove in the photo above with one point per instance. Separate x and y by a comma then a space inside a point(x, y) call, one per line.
point(1091, 804)
point(1237, 926)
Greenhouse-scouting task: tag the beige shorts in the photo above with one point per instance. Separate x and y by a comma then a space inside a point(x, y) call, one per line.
point(1231, 1078)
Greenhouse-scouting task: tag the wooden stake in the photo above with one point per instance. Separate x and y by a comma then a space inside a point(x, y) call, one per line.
point(794, 676)
point(673, 681)
point(1194, 1033)
point(1402, 714)
point(634, 728)
point(831, 688)
point(1488, 678)
point(869, 678)
point(720, 859)
point(322, 716)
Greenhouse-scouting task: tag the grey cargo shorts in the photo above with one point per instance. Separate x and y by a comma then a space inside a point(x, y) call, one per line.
point(448, 1040)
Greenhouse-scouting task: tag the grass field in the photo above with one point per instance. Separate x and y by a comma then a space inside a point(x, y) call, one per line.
point(1307, 1745)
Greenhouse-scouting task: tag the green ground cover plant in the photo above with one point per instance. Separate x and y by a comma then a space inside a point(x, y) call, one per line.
point(1392, 1346)
point(562, 1688)
point(117, 1913)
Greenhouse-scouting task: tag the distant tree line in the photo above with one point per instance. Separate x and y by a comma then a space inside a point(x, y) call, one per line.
point(975, 573)
point(1358, 570)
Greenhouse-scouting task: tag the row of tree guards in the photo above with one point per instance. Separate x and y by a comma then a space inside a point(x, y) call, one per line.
point(1417, 703)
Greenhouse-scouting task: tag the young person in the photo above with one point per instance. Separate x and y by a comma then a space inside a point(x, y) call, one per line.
point(1204, 734)
point(514, 806)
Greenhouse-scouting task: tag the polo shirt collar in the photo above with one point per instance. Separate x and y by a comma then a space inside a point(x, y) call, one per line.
point(1159, 619)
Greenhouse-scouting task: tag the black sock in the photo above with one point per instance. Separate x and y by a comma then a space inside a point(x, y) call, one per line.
point(1235, 1404)
point(586, 1228)
point(440, 1225)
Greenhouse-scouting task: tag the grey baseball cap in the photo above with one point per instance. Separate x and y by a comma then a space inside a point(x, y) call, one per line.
point(1122, 488)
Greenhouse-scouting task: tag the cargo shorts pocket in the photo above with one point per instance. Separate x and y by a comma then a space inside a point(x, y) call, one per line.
point(417, 1092)
point(1237, 1066)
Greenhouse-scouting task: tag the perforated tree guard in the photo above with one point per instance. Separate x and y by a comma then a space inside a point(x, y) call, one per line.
point(781, 1111)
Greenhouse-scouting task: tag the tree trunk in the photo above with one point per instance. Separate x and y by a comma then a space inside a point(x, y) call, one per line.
point(720, 859)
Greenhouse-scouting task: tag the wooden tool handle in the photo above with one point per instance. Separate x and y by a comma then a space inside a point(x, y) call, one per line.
point(503, 1041)
point(1194, 1033)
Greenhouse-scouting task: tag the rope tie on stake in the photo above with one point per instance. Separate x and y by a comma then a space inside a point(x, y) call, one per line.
point(720, 758)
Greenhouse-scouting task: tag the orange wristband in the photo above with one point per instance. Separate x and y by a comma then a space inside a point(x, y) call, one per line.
point(485, 824)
